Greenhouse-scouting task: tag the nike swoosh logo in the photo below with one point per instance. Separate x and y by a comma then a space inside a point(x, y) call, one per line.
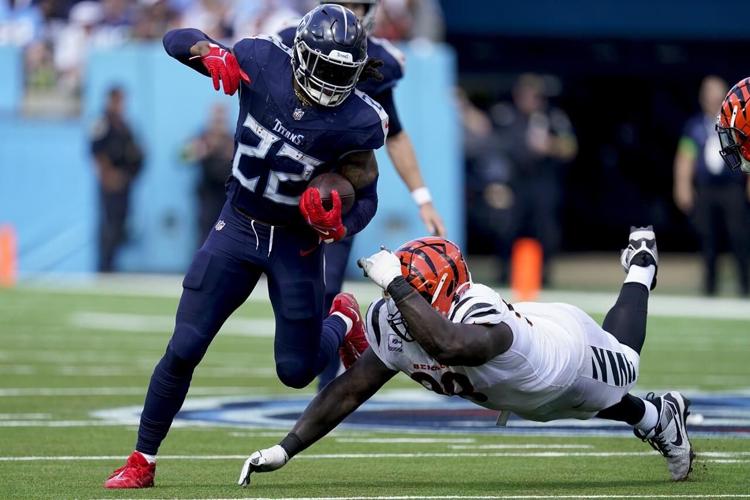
point(324, 233)
point(678, 440)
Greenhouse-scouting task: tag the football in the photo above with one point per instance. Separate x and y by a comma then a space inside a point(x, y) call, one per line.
point(330, 181)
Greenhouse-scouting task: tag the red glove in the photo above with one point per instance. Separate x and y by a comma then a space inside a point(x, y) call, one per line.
point(327, 223)
point(222, 65)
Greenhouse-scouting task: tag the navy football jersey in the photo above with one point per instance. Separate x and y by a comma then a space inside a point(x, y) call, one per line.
point(377, 48)
point(280, 144)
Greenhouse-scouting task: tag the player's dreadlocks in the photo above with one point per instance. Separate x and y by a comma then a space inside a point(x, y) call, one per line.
point(371, 71)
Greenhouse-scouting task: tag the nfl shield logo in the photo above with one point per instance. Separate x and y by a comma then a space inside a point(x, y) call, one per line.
point(220, 225)
point(395, 343)
point(298, 114)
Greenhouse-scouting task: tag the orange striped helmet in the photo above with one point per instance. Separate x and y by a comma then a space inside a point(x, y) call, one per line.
point(733, 127)
point(435, 268)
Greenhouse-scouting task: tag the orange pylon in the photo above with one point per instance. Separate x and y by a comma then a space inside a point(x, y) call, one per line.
point(526, 269)
point(8, 256)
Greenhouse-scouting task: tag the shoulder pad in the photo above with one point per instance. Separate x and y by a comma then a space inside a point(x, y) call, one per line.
point(392, 68)
point(394, 61)
point(286, 35)
point(275, 41)
point(377, 117)
point(478, 305)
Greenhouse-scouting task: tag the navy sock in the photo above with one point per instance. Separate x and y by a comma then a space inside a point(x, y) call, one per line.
point(331, 337)
point(332, 369)
point(166, 393)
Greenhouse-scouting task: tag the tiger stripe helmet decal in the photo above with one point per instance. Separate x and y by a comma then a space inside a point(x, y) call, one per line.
point(435, 268)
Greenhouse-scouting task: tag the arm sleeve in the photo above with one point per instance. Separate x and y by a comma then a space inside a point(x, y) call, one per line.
point(385, 99)
point(177, 43)
point(363, 210)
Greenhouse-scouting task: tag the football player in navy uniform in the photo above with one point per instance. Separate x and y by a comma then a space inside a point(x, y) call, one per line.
point(300, 116)
point(398, 144)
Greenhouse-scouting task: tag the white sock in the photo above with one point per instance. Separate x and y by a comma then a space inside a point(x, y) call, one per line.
point(642, 275)
point(149, 458)
point(347, 320)
point(650, 418)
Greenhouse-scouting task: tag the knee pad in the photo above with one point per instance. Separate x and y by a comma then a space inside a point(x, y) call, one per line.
point(176, 366)
point(294, 373)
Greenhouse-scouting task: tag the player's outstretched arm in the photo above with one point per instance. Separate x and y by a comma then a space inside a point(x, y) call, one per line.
point(404, 158)
point(178, 43)
point(361, 168)
point(332, 405)
point(193, 48)
point(449, 343)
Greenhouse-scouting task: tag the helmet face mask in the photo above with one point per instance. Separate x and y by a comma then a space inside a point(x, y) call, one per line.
point(734, 148)
point(733, 127)
point(396, 321)
point(329, 54)
point(326, 79)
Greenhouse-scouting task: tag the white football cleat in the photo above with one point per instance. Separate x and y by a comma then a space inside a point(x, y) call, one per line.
point(641, 250)
point(670, 437)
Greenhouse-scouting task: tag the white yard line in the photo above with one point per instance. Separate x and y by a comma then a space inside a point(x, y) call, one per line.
point(61, 423)
point(592, 302)
point(520, 446)
point(482, 497)
point(366, 456)
point(24, 416)
point(160, 323)
point(122, 391)
point(409, 440)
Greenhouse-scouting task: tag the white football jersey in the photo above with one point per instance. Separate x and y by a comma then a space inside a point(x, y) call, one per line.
point(537, 378)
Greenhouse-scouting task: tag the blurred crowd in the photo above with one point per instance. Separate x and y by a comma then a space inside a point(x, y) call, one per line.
point(519, 152)
point(58, 35)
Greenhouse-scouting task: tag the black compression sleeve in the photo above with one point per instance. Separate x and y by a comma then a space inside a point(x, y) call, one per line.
point(292, 444)
point(399, 289)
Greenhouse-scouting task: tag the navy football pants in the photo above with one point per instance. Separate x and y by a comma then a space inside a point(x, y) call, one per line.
point(223, 273)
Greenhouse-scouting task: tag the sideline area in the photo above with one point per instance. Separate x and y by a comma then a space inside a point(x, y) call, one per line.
point(594, 302)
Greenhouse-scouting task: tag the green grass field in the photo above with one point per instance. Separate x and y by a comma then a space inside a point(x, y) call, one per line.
point(66, 355)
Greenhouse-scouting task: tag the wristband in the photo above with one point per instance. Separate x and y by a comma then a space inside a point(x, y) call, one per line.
point(421, 195)
point(399, 289)
point(292, 444)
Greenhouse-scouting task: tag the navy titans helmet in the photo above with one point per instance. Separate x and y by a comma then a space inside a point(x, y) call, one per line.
point(329, 54)
point(370, 7)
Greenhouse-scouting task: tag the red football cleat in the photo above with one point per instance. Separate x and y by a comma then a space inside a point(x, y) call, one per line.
point(355, 341)
point(136, 473)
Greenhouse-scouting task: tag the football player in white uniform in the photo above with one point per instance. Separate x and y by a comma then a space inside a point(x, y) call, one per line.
point(540, 361)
